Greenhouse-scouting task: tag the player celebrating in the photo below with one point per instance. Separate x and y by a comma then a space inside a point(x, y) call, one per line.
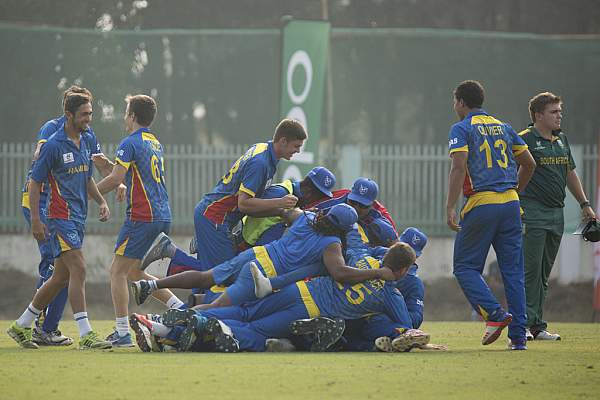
point(65, 164)
point(140, 163)
point(483, 152)
point(47, 332)
point(238, 193)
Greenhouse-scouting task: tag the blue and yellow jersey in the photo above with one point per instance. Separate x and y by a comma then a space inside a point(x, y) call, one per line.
point(142, 155)
point(491, 146)
point(251, 174)
point(300, 246)
point(47, 130)
point(332, 299)
point(66, 169)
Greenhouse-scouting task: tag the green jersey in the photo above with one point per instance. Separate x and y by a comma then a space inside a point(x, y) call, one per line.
point(554, 160)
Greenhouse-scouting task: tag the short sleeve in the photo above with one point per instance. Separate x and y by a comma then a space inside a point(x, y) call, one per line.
point(125, 152)
point(457, 140)
point(43, 165)
point(274, 192)
point(254, 176)
point(47, 130)
point(95, 144)
point(518, 143)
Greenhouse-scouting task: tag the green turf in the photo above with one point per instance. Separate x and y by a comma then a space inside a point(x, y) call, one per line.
point(557, 370)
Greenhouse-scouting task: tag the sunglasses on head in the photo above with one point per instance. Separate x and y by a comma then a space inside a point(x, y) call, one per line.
point(359, 205)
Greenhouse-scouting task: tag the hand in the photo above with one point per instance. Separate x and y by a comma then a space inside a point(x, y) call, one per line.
point(101, 161)
point(587, 213)
point(39, 230)
point(288, 201)
point(121, 193)
point(386, 274)
point(104, 213)
point(451, 219)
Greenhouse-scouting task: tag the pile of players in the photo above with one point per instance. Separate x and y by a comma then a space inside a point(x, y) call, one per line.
point(274, 262)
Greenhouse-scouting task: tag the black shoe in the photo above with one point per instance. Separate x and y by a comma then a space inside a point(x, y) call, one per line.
point(141, 291)
point(223, 337)
point(157, 251)
point(175, 316)
point(326, 331)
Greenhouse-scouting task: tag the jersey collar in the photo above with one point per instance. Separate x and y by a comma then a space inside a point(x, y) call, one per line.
point(273, 158)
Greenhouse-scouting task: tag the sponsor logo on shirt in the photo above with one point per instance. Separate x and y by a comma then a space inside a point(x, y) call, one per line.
point(68, 158)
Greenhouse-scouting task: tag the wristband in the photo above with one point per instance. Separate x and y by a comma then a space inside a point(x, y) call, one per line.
point(584, 204)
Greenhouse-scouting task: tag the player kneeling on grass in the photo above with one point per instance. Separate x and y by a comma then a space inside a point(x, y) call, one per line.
point(248, 327)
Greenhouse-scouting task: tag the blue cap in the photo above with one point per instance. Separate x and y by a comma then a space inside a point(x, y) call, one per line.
point(343, 216)
point(415, 239)
point(384, 231)
point(364, 191)
point(323, 179)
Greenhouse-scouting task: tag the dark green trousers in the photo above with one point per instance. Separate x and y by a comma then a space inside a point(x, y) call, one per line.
point(542, 232)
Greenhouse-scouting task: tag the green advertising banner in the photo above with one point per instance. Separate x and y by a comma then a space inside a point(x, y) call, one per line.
point(305, 52)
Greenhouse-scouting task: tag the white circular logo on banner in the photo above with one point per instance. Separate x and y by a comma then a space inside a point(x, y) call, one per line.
point(299, 59)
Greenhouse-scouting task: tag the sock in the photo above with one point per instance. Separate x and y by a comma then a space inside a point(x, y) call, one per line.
point(174, 302)
point(122, 325)
point(159, 329)
point(83, 323)
point(152, 284)
point(28, 316)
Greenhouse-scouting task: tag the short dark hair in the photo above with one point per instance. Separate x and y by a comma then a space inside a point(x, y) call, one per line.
point(539, 102)
point(73, 101)
point(399, 256)
point(471, 93)
point(290, 129)
point(143, 108)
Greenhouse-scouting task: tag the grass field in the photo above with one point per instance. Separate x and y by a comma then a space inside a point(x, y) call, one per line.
point(561, 370)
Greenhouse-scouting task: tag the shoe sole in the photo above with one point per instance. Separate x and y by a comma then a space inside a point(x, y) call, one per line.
point(153, 253)
point(224, 342)
point(141, 337)
point(384, 344)
point(174, 317)
point(405, 343)
point(187, 338)
point(327, 331)
point(501, 325)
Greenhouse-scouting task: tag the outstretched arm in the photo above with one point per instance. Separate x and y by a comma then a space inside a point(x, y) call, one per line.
point(340, 272)
point(458, 171)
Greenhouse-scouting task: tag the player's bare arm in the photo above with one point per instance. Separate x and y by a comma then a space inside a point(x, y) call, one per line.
point(92, 189)
point(458, 170)
point(112, 180)
point(256, 207)
point(526, 169)
point(340, 272)
point(576, 189)
point(38, 229)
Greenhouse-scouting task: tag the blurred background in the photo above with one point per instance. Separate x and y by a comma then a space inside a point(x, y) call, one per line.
point(216, 70)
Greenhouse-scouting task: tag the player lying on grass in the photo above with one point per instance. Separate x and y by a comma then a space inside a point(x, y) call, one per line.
point(247, 327)
point(312, 240)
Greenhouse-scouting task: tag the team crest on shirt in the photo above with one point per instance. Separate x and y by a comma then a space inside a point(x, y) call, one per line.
point(363, 190)
point(560, 143)
point(68, 158)
point(538, 145)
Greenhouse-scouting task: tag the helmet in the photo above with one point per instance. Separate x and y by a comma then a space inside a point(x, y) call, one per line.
point(342, 216)
point(590, 230)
